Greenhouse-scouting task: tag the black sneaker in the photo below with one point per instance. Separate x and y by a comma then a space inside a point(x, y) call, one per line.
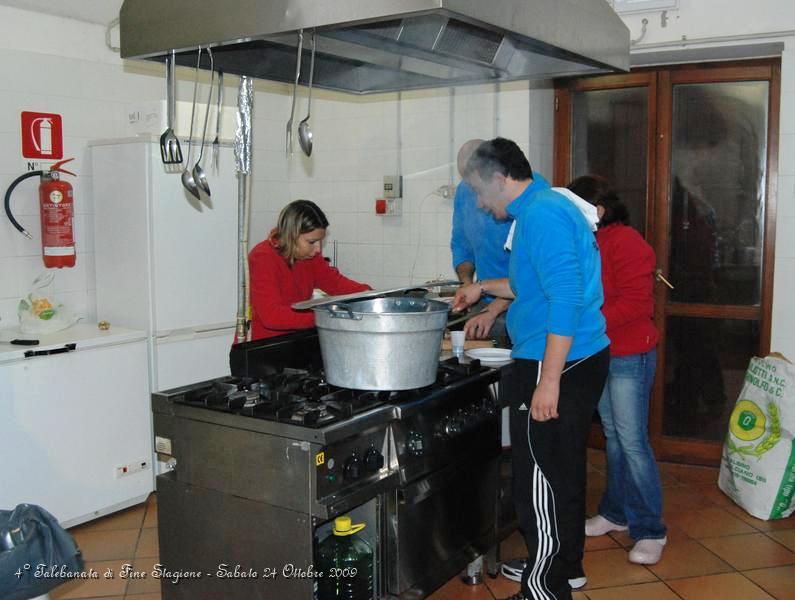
point(514, 568)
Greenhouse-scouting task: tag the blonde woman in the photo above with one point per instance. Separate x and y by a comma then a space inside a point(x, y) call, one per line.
point(287, 266)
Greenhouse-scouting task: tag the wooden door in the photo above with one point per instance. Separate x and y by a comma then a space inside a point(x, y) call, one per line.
point(692, 151)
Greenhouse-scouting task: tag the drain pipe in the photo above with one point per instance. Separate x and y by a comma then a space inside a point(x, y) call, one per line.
point(245, 103)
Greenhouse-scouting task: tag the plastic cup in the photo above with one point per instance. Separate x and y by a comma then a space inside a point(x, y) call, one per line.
point(457, 341)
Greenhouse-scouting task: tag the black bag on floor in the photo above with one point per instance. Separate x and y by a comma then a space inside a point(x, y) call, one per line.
point(36, 553)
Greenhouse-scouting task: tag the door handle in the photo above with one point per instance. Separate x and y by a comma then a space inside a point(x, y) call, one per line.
point(660, 277)
point(61, 350)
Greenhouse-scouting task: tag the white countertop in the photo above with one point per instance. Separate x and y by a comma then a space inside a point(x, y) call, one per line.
point(84, 335)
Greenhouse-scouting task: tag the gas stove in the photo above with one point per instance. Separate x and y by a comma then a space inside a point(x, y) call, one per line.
point(267, 456)
point(303, 397)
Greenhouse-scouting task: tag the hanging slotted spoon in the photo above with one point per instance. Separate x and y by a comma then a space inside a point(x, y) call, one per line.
point(187, 177)
point(198, 173)
point(304, 133)
point(289, 142)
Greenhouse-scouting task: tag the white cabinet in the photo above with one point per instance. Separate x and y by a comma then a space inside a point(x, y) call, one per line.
point(166, 262)
point(73, 421)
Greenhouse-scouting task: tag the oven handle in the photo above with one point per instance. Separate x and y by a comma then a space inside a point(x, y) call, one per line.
point(415, 493)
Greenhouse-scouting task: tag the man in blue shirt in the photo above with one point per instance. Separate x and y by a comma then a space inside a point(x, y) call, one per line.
point(477, 244)
point(560, 354)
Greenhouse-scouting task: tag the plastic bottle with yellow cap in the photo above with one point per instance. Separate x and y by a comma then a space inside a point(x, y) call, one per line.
point(346, 562)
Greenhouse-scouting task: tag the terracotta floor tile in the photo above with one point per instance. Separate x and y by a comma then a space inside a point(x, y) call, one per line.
point(513, 547)
point(687, 559)
point(106, 544)
point(668, 480)
point(601, 542)
point(646, 591)
point(144, 596)
point(148, 544)
point(150, 520)
point(607, 568)
point(709, 522)
point(502, 587)
point(779, 582)
point(761, 525)
point(146, 584)
point(690, 473)
point(455, 589)
point(786, 537)
point(129, 518)
point(684, 498)
point(729, 586)
point(753, 551)
point(673, 533)
point(597, 458)
point(102, 586)
point(713, 493)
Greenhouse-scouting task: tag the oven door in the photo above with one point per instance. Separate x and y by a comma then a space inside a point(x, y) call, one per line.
point(438, 524)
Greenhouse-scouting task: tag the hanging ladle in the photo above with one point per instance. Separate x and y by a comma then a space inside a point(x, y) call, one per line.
point(187, 177)
point(304, 133)
point(289, 141)
point(198, 173)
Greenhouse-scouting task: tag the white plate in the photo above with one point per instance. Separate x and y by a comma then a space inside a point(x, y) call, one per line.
point(490, 355)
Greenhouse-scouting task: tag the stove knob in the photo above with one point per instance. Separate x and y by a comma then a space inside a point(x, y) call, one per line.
point(415, 444)
point(452, 426)
point(373, 460)
point(352, 469)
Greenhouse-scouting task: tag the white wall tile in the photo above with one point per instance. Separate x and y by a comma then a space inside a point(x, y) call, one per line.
point(371, 260)
point(785, 198)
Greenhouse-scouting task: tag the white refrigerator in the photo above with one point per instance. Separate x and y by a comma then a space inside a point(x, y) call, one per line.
point(166, 262)
point(75, 430)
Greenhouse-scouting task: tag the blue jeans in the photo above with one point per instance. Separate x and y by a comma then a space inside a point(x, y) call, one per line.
point(633, 496)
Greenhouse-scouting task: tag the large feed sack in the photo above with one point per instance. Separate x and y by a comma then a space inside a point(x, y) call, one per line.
point(757, 467)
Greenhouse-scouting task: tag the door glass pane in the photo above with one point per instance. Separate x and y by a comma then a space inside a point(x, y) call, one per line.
point(609, 138)
point(718, 160)
point(705, 362)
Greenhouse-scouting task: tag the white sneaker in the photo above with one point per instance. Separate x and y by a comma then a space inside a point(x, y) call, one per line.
point(512, 569)
point(598, 525)
point(578, 582)
point(647, 552)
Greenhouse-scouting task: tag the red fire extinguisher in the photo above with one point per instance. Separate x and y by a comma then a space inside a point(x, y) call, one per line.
point(56, 207)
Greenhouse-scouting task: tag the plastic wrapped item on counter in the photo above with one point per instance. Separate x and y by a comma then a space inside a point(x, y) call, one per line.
point(40, 312)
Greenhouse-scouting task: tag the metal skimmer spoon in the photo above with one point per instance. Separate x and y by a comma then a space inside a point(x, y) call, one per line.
point(187, 176)
point(304, 133)
point(198, 173)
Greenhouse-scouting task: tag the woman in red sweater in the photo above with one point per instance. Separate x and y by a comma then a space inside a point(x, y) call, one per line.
point(633, 498)
point(287, 266)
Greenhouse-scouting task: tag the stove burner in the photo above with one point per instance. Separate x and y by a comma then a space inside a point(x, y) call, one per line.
point(302, 397)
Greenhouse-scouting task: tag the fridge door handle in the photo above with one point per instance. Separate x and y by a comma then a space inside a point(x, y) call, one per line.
point(61, 350)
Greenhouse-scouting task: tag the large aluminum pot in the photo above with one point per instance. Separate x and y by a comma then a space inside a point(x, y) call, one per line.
point(381, 344)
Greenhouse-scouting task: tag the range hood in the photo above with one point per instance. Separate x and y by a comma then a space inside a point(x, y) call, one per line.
point(367, 46)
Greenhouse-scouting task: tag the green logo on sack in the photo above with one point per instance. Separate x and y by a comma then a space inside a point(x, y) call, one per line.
point(748, 423)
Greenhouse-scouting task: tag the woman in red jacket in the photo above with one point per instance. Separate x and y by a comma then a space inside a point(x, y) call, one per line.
point(287, 266)
point(633, 498)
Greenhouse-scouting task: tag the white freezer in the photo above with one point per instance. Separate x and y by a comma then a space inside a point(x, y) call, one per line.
point(188, 358)
point(72, 421)
point(166, 262)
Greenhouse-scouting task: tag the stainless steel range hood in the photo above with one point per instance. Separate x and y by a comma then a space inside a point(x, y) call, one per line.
point(366, 46)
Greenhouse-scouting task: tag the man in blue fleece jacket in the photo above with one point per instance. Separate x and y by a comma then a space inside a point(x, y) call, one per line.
point(560, 356)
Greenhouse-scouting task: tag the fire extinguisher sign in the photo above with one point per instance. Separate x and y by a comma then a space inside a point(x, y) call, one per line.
point(42, 135)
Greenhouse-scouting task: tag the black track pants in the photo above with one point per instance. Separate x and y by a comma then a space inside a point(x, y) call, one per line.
point(549, 464)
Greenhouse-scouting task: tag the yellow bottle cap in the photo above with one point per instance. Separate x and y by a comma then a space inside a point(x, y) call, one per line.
point(343, 526)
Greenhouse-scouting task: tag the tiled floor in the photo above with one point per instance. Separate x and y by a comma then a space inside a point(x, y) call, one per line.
point(715, 551)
